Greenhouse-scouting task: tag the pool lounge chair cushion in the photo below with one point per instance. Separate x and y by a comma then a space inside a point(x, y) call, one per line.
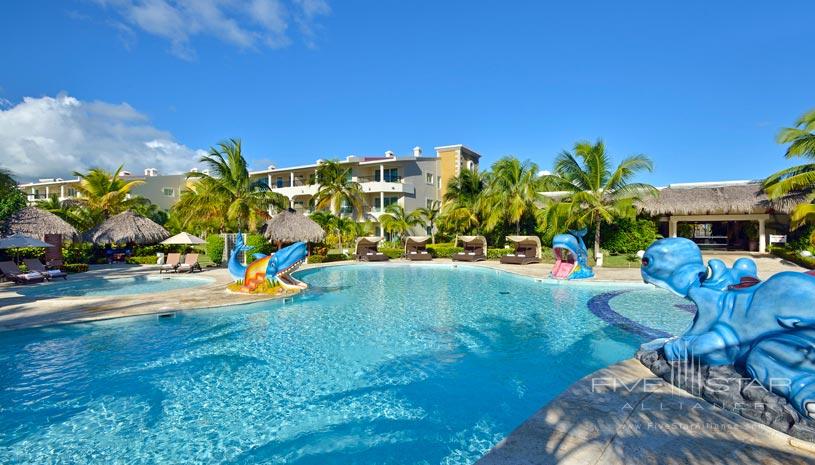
point(10, 271)
point(171, 264)
point(190, 263)
point(36, 266)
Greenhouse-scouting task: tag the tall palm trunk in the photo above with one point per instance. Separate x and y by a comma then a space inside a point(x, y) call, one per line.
point(432, 234)
point(518, 228)
point(597, 239)
point(339, 239)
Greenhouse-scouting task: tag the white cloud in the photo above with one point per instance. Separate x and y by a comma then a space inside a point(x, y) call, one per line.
point(245, 24)
point(55, 136)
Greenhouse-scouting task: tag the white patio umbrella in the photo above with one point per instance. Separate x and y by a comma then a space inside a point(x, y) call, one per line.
point(183, 238)
point(18, 240)
point(15, 241)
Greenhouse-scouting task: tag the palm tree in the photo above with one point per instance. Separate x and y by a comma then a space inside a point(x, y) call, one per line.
point(512, 188)
point(229, 190)
point(337, 189)
point(460, 211)
point(430, 215)
point(104, 194)
point(336, 226)
point(797, 181)
point(7, 182)
point(12, 199)
point(396, 220)
point(595, 194)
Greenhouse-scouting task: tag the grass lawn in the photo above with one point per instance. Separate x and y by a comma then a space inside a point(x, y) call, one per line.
point(619, 261)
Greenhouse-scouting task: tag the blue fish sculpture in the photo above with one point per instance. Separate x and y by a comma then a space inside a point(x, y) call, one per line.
point(766, 329)
point(571, 256)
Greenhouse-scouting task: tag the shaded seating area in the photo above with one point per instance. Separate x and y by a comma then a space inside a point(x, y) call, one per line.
point(416, 248)
point(475, 249)
point(37, 266)
point(10, 271)
point(527, 251)
point(172, 262)
point(366, 250)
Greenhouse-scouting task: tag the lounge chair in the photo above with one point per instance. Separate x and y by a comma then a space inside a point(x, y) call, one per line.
point(171, 264)
point(54, 264)
point(527, 251)
point(366, 250)
point(475, 249)
point(416, 248)
point(190, 263)
point(11, 272)
point(36, 266)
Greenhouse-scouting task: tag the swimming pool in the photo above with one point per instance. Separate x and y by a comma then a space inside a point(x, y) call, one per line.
point(99, 287)
point(374, 365)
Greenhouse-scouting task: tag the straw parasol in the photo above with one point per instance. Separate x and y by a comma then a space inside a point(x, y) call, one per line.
point(35, 222)
point(127, 228)
point(288, 226)
point(183, 238)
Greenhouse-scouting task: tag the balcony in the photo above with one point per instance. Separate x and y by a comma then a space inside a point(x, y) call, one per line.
point(396, 184)
point(294, 190)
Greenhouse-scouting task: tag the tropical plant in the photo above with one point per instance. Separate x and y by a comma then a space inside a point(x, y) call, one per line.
point(337, 189)
point(593, 192)
point(460, 211)
point(396, 220)
point(430, 215)
point(512, 189)
point(797, 181)
point(226, 192)
point(11, 198)
point(104, 194)
point(336, 227)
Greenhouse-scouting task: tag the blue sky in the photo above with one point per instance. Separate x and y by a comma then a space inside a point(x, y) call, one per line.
point(701, 87)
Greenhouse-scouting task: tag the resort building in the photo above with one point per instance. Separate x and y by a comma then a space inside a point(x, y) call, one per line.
point(411, 181)
point(727, 215)
point(162, 190)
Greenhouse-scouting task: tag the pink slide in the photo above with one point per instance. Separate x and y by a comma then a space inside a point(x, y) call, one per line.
point(563, 265)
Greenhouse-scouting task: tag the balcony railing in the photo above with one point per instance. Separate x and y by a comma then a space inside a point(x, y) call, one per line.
point(374, 179)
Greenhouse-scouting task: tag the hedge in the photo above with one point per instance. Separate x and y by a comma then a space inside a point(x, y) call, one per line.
point(626, 236)
point(215, 248)
point(332, 257)
point(74, 267)
point(793, 256)
point(392, 252)
point(143, 260)
point(443, 250)
point(259, 244)
point(77, 252)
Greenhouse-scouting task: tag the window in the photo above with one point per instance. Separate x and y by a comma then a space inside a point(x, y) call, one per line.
point(391, 175)
point(346, 208)
point(168, 192)
point(279, 182)
point(429, 203)
point(70, 192)
point(389, 200)
point(429, 178)
point(438, 182)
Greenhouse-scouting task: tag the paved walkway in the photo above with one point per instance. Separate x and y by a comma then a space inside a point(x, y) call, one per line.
point(623, 415)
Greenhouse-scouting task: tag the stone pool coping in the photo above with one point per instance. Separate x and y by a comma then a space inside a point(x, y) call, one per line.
point(624, 415)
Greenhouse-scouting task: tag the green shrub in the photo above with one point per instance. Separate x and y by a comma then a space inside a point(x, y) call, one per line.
point(793, 256)
point(77, 252)
point(315, 259)
point(628, 236)
point(443, 250)
point(74, 267)
point(392, 252)
point(143, 260)
point(27, 252)
point(336, 257)
point(495, 253)
point(802, 238)
point(259, 244)
point(215, 248)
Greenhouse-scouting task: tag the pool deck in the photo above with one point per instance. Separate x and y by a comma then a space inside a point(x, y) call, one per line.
point(624, 415)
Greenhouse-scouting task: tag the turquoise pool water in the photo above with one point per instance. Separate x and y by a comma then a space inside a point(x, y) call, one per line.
point(96, 287)
point(374, 365)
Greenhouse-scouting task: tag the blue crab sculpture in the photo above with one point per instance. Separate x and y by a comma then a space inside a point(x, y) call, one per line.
point(766, 329)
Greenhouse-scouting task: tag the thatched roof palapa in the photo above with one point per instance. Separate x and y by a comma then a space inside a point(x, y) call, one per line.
point(725, 198)
point(288, 226)
point(35, 222)
point(127, 228)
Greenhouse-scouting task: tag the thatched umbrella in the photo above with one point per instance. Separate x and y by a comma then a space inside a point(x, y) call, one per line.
point(288, 226)
point(127, 228)
point(35, 222)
